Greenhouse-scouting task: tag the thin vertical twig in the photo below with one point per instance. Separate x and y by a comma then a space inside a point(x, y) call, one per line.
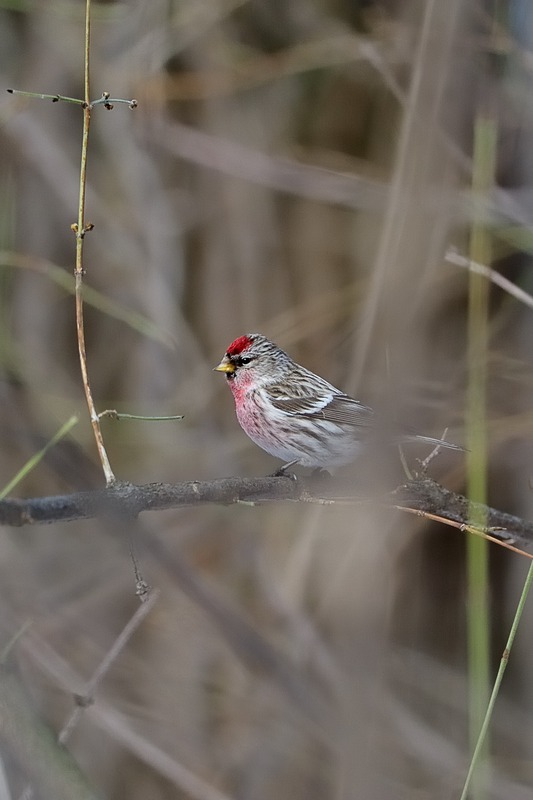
point(80, 229)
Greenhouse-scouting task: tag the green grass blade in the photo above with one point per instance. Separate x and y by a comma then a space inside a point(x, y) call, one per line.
point(37, 457)
point(480, 744)
point(92, 297)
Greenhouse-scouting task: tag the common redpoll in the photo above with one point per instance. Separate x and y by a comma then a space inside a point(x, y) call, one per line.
point(294, 414)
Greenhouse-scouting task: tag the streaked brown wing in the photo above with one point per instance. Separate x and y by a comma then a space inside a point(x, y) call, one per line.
point(340, 408)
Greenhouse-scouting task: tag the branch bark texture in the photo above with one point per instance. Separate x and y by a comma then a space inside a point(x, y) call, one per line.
point(128, 500)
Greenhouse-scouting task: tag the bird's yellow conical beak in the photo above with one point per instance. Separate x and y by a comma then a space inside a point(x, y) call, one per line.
point(225, 366)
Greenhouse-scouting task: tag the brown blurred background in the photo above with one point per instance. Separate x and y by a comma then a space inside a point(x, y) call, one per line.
point(297, 168)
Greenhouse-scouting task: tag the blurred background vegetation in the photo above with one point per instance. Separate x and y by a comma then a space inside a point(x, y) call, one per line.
point(298, 168)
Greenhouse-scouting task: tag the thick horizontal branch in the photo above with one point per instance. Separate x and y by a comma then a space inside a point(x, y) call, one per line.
point(128, 500)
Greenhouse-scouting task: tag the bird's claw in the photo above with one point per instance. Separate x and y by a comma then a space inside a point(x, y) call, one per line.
point(320, 479)
point(320, 472)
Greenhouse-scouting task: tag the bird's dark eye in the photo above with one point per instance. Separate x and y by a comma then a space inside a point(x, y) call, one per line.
point(245, 360)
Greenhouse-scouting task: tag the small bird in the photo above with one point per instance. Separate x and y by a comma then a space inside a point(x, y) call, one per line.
point(295, 415)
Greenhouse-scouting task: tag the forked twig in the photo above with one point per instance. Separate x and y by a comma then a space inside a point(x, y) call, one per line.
point(434, 453)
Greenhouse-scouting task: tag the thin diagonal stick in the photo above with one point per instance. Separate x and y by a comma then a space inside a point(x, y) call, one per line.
point(80, 230)
point(85, 700)
point(104, 666)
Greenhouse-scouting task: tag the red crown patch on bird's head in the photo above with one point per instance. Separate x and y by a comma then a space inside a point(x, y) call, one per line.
point(239, 345)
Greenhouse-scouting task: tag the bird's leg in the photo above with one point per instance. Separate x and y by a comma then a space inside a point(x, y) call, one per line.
point(282, 471)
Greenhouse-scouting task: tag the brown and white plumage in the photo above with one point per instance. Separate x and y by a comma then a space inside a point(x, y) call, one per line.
point(294, 414)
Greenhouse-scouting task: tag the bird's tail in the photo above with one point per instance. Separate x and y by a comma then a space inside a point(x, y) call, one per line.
point(435, 442)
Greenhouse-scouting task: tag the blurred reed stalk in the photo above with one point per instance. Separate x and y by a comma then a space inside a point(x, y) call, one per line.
point(478, 623)
point(481, 706)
